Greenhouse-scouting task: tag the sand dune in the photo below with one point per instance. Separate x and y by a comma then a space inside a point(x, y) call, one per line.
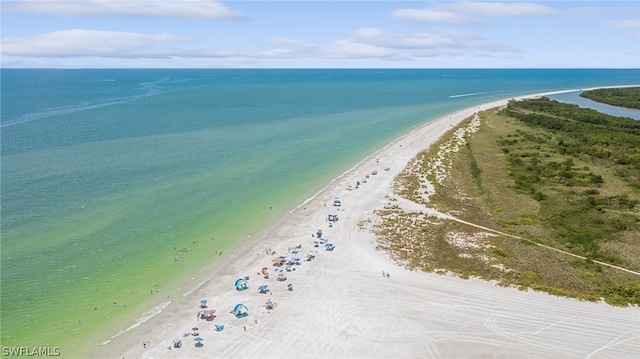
point(343, 307)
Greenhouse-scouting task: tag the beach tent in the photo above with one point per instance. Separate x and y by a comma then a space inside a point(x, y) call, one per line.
point(332, 217)
point(203, 303)
point(177, 343)
point(263, 288)
point(329, 246)
point(290, 286)
point(281, 277)
point(337, 203)
point(240, 310)
point(241, 284)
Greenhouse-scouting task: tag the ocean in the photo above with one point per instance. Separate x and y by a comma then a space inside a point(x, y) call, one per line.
point(119, 186)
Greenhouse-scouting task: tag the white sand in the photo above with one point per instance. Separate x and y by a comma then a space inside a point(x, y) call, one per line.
point(342, 306)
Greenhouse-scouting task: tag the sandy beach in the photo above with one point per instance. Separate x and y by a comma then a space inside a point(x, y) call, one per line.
point(342, 306)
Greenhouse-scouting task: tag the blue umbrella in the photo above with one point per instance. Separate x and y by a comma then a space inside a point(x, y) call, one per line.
point(198, 339)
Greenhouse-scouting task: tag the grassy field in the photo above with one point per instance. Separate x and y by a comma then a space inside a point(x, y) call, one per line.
point(535, 184)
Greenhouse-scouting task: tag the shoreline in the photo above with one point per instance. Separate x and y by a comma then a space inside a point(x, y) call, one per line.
point(337, 280)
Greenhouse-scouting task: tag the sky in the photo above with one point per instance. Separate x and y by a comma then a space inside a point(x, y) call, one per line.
point(319, 34)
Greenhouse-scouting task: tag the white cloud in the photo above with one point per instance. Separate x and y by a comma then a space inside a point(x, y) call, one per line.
point(79, 42)
point(627, 24)
point(352, 49)
point(368, 32)
point(418, 40)
point(415, 44)
point(467, 12)
point(292, 42)
point(126, 8)
point(628, 28)
point(427, 15)
point(364, 43)
point(501, 9)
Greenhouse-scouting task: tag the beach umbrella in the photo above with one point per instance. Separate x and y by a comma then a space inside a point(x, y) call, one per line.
point(198, 339)
point(204, 301)
point(195, 329)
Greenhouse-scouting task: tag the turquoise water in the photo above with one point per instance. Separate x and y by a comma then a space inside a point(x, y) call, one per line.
point(108, 176)
point(574, 98)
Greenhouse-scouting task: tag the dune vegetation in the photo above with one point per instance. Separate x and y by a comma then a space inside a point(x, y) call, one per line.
point(543, 196)
point(624, 97)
